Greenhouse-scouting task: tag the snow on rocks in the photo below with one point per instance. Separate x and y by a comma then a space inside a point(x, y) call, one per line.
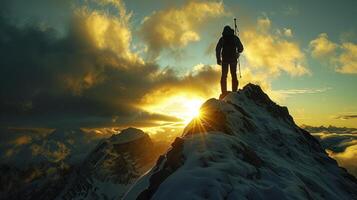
point(245, 147)
point(127, 135)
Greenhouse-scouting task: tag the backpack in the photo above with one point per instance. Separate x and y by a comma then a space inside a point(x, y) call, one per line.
point(229, 48)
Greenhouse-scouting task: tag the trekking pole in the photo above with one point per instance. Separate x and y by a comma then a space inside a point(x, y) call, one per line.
point(236, 33)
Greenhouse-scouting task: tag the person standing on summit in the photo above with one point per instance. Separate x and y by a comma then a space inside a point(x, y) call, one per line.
point(228, 49)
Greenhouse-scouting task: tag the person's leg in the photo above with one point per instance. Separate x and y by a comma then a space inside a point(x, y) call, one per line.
point(224, 78)
point(233, 69)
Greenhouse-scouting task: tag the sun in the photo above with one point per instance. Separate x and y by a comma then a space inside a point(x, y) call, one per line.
point(188, 108)
point(181, 106)
point(192, 108)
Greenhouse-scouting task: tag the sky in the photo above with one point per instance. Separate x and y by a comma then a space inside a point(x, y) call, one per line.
point(150, 64)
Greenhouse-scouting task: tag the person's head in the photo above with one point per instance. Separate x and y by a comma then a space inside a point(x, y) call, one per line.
point(227, 30)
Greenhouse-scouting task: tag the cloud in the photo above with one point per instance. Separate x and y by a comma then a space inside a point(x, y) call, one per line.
point(89, 77)
point(174, 28)
point(347, 159)
point(195, 83)
point(340, 144)
point(347, 61)
point(303, 91)
point(346, 117)
point(103, 30)
point(68, 77)
point(343, 56)
point(287, 32)
point(264, 24)
point(336, 141)
point(272, 53)
point(322, 46)
point(332, 129)
point(281, 95)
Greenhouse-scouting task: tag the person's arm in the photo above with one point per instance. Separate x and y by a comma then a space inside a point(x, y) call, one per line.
point(239, 45)
point(218, 51)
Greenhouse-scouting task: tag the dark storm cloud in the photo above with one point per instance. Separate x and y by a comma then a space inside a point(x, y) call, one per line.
point(35, 68)
point(50, 81)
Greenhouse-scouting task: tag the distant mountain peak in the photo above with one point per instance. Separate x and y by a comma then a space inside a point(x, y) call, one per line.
point(128, 135)
point(245, 146)
point(112, 166)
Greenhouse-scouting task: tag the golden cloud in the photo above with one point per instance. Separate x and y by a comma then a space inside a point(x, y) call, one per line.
point(269, 52)
point(347, 61)
point(264, 24)
point(347, 158)
point(106, 34)
point(105, 31)
point(340, 144)
point(343, 56)
point(202, 81)
point(176, 27)
point(97, 63)
point(288, 32)
point(322, 46)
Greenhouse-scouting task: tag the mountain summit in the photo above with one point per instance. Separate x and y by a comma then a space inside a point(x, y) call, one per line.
point(245, 146)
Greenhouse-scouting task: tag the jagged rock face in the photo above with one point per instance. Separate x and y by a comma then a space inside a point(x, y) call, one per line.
point(112, 167)
point(245, 147)
point(170, 163)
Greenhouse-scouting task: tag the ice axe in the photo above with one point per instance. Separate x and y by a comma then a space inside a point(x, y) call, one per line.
point(237, 34)
point(235, 27)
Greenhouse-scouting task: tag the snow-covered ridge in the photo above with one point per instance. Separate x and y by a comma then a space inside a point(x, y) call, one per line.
point(245, 147)
point(127, 135)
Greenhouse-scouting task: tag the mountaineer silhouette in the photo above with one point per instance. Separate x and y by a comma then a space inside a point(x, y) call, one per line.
point(228, 49)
